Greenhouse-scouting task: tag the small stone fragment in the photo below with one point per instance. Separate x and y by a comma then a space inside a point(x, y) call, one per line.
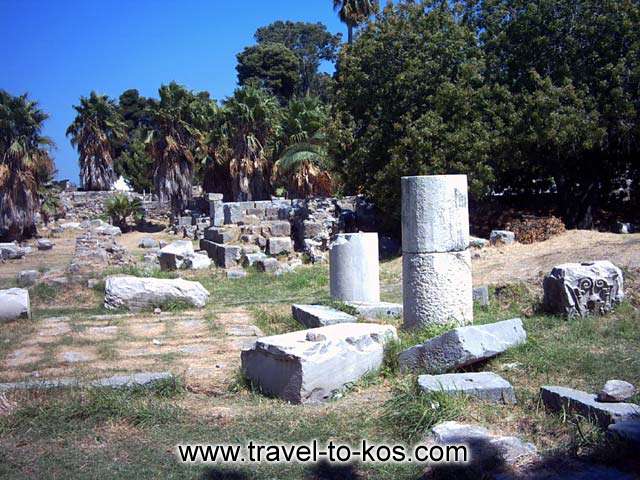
point(616, 391)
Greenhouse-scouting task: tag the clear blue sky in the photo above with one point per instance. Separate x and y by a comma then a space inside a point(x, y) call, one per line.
point(58, 50)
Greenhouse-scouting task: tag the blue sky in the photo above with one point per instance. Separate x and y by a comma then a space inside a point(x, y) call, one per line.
point(58, 50)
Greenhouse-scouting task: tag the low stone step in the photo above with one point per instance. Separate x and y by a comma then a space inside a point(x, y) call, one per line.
point(559, 399)
point(483, 385)
point(313, 316)
point(463, 346)
point(116, 381)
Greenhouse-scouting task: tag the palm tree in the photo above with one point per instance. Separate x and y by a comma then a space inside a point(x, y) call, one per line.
point(303, 160)
point(178, 141)
point(24, 161)
point(354, 12)
point(95, 132)
point(252, 118)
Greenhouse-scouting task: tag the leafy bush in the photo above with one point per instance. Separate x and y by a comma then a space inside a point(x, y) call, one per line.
point(120, 207)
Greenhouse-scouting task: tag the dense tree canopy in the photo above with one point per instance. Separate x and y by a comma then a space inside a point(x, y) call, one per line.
point(310, 42)
point(271, 66)
point(412, 101)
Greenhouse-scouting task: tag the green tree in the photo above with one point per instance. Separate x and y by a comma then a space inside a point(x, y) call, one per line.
point(572, 70)
point(411, 100)
point(177, 141)
point(252, 119)
point(120, 208)
point(96, 132)
point(303, 164)
point(272, 66)
point(25, 164)
point(133, 162)
point(310, 42)
point(355, 12)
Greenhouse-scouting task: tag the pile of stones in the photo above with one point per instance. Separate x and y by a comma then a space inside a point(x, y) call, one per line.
point(94, 252)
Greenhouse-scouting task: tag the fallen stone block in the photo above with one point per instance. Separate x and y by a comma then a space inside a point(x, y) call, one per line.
point(311, 366)
point(483, 385)
point(268, 265)
point(558, 399)
point(148, 242)
point(222, 234)
point(313, 316)
point(278, 229)
point(249, 259)
point(377, 310)
point(476, 242)
point(581, 289)
point(485, 448)
point(14, 304)
point(108, 230)
point(44, 244)
point(11, 251)
point(279, 245)
point(502, 237)
point(27, 278)
point(616, 391)
point(173, 256)
point(227, 256)
point(134, 293)
point(463, 346)
point(198, 261)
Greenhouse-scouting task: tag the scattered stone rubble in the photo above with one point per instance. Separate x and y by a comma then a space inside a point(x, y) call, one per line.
point(95, 252)
point(581, 289)
point(313, 316)
point(502, 237)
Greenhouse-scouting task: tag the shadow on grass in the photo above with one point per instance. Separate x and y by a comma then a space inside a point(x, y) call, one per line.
point(327, 471)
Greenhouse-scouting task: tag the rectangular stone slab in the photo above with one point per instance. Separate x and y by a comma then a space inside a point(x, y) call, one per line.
point(313, 316)
point(483, 385)
point(373, 310)
point(463, 346)
point(310, 366)
point(586, 404)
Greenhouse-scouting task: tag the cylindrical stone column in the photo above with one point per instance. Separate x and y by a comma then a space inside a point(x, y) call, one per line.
point(436, 263)
point(354, 270)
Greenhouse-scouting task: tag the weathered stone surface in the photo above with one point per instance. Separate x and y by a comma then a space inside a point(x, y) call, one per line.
point(581, 289)
point(485, 447)
point(616, 391)
point(626, 430)
point(136, 293)
point(108, 230)
point(310, 366)
point(198, 261)
point(463, 346)
point(227, 256)
point(502, 237)
point(477, 242)
point(14, 304)
point(268, 265)
point(11, 251)
point(249, 259)
point(435, 214)
point(27, 278)
point(44, 244)
point(279, 245)
point(226, 234)
point(148, 242)
point(559, 399)
point(483, 385)
point(173, 256)
point(481, 295)
point(235, 273)
point(377, 310)
point(313, 316)
point(354, 269)
point(437, 289)
point(280, 228)
point(117, 381)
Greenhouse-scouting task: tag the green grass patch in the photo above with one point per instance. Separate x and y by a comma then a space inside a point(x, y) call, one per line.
point(274, 322)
